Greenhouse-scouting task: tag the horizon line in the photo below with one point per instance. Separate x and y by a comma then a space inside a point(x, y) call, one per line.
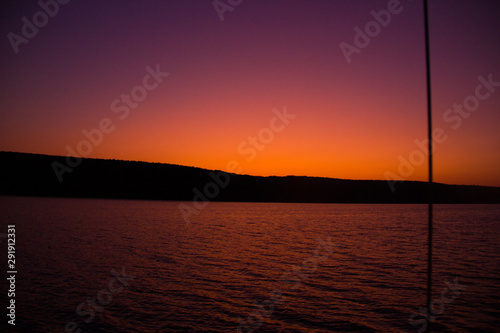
point(233, 173)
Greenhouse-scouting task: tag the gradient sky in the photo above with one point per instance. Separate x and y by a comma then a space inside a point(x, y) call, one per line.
point(354, 120)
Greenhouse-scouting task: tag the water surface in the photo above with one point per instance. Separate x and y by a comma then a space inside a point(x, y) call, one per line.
point(206, 276)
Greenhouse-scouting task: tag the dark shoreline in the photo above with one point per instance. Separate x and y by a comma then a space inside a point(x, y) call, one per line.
point(24, 174)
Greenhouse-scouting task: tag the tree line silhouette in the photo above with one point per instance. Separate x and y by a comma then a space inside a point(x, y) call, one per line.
point(26, 174)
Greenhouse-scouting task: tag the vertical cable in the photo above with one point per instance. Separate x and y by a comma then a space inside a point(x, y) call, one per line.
point(430, 184)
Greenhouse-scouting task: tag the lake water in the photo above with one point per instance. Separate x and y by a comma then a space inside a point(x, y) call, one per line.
point(136, 266)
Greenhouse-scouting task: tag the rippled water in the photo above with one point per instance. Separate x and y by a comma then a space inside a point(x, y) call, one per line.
point(308, 267)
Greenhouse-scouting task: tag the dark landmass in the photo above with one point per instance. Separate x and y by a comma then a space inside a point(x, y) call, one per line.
point(33, 175)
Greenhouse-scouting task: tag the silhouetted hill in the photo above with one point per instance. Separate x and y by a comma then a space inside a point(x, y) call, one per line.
point(33, 175)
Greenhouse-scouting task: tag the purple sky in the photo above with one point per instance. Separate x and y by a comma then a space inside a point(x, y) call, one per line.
point(354, 120)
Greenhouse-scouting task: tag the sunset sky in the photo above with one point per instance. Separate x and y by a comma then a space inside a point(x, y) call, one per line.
point(353, 120)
